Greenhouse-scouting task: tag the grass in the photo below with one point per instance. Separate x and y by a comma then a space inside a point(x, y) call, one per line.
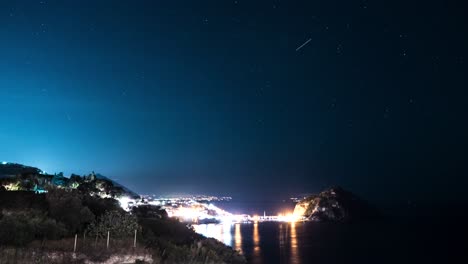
point(61, 251)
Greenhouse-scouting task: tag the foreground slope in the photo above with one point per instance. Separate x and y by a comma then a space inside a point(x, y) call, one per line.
point(41, 215)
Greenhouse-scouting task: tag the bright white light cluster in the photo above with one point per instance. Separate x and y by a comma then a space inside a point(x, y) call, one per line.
point(288, 218)
point(126, 202)
point(194, 211)
point(199, 211)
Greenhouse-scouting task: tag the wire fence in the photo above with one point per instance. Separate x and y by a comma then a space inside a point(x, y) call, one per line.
point(69, 250)
point(84, 242)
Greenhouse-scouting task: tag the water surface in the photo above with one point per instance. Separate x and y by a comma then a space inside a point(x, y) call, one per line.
point(311, 242)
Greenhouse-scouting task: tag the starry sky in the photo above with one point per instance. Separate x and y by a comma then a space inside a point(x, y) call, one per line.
point(252, 99)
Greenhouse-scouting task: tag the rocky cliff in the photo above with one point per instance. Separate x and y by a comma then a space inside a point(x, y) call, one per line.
point(335, 205)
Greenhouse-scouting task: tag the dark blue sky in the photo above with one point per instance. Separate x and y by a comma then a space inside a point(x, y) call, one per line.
point(215, 97)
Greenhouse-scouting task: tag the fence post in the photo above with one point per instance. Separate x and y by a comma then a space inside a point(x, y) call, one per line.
point(107, 239)
point(84, 238)
point(134, 240)
point(74, 246)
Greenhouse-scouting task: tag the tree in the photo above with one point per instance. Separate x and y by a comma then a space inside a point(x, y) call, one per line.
point(119, 224)
point(20, 228)
point(67, 208)
point(15, 231)
point(100, 206)
point(149, 211)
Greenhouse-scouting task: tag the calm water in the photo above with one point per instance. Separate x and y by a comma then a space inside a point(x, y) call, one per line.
point(421, 239)
point(259, 242)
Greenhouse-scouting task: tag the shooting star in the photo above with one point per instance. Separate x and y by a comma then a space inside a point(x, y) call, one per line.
point(305, 43)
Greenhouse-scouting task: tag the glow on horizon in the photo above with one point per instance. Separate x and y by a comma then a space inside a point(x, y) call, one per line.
point(124, 202)
point(290, 217)
point(199, 211)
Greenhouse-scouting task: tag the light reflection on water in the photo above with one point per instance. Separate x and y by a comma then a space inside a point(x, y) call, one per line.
point(246, 238)
point(238, 238)
point(294, 247)
point(219, 232)
point(256, 241)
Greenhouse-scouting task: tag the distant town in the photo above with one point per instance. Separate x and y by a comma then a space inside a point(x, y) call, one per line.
point(199, 209)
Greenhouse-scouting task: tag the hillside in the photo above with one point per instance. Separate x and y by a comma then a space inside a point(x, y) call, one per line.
point(335, 205)
point(18, 177)
point(12, 169)
point(42, 215)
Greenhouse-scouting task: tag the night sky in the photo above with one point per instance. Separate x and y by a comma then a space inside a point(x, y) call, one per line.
point(253, 99)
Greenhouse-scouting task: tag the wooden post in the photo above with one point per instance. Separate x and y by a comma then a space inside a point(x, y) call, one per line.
point(134, 240)
point(95, 242)
point(84, 238)
point(108, 239)
point(74, 246)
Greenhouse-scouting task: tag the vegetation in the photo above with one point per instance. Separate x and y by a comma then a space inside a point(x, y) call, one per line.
point(172, 242)
point(41, 227)
point(21, 228)
point(17, 177)
point(336, 205)
point(26, 216)
point(118, 223)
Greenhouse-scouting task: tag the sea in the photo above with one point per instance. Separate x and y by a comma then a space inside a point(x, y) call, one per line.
point(406, 234)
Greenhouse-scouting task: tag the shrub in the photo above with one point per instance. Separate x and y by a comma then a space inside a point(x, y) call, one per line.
point(149, 211)
point(15, 231)
point(20, 228)
point(119, 224)
point(67, 208)
point(100, 206)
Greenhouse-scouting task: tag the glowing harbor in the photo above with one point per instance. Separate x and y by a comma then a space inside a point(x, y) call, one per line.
point(201, 210)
